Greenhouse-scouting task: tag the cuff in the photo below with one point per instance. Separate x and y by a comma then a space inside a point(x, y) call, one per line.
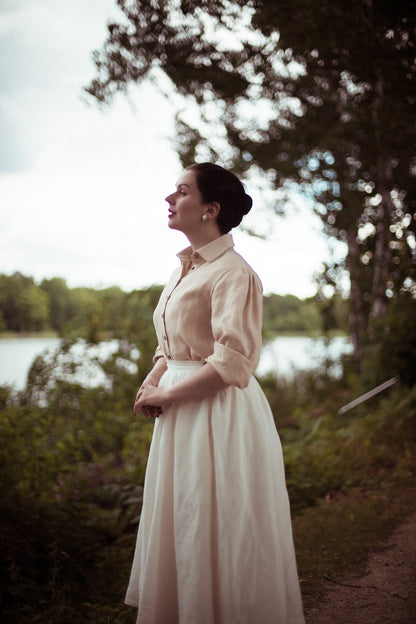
point(158, 354)
point(233, 367)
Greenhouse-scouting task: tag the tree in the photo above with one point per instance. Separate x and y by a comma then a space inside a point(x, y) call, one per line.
point(319, 97)
point(23, 306)
point(60, 305)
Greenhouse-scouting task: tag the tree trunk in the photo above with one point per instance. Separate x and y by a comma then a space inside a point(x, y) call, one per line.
point(357, 317)
point(382, 251)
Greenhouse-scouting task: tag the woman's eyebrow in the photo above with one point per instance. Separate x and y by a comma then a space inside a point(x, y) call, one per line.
point(183, 184)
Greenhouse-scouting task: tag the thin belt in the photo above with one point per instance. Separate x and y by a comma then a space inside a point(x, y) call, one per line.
point(184, 364)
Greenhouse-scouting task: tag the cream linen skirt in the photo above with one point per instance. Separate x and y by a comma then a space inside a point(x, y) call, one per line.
point(215, 544)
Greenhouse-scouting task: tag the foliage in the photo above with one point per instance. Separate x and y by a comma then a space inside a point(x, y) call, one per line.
point(358, 473)
point(289, 313)
point(391, 344)
point(82, 313)
point(69, 505)
point(61, 562)
point(62, 303)
point(23, 306)
point(331, 455)
point(316, 315)
point(72, 465)
point(318, 98)
point(110, 313)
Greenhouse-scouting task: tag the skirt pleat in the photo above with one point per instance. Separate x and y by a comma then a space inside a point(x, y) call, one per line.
point(215, 543)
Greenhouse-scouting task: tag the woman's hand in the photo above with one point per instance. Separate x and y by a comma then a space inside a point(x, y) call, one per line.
point(147, 410)
point(152, 380)
point(202, 383)
point(150, 400)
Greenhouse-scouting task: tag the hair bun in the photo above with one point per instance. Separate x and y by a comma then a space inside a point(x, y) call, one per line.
point(248, 202)
point(217, 184)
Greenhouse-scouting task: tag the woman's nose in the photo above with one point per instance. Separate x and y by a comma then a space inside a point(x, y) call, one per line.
point(169, 198)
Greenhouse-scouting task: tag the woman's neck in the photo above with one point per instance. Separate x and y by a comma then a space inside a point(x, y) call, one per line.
point(200, 239)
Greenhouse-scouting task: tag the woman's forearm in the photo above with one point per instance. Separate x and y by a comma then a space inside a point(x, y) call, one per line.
point(155, 375)
point(200, 384)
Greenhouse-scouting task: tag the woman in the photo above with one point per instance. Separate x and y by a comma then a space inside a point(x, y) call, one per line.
point(215, 542)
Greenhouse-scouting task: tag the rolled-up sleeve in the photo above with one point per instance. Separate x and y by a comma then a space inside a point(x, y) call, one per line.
point(158, 354)
point(236, 321)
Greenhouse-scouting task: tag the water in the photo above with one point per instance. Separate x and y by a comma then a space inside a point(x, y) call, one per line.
point(287, 354)
point(17, 355)
point(284, 356)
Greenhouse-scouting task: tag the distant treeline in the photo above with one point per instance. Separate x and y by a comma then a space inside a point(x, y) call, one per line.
point(26, 306)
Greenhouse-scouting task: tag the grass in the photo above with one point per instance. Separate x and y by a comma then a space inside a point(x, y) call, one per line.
point(337, 535)
point(361, 485)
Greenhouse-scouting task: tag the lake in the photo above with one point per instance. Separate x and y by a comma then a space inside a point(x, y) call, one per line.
point(284, 355)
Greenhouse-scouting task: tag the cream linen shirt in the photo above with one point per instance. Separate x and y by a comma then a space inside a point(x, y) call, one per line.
point(211, 311)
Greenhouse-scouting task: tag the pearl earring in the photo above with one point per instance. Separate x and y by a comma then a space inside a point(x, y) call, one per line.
point(204, 217)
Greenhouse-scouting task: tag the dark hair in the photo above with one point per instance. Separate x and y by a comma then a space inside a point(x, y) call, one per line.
point(217, 184)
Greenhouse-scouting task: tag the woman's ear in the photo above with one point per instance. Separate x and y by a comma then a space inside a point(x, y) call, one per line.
point(213, 209)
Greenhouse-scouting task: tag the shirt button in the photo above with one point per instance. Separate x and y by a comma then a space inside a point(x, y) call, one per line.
point(196, 256)
point(169, 357)
point(165, 337)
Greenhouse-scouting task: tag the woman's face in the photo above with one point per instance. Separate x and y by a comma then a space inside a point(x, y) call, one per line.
point(186, 206)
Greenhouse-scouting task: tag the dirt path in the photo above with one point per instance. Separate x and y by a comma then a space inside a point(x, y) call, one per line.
point(384, 593)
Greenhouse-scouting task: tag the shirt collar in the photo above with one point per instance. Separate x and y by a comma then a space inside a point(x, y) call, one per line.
point(209, 252)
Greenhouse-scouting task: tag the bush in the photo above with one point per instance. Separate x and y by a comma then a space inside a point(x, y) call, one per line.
point(329, 455)
point(390, 347)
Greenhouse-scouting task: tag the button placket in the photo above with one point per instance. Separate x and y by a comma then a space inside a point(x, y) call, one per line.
point(194, 259)
point(165, 333)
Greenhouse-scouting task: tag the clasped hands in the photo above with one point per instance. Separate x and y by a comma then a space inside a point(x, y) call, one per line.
point(150, 399)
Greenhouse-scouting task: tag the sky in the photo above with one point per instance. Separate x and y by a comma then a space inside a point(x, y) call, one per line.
point(82, 189)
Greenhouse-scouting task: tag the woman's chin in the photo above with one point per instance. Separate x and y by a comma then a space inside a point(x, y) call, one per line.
point(172, 225)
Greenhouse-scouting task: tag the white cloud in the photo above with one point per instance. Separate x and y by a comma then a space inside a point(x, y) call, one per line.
point(81, 190)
